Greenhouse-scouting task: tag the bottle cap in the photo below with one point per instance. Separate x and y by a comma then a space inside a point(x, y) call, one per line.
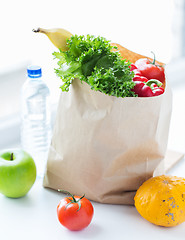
point(34, 71)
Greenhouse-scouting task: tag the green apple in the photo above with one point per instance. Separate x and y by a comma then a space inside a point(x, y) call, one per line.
point(17, 172)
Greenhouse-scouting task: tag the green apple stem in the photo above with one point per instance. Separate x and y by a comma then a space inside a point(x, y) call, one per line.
point(11, 157)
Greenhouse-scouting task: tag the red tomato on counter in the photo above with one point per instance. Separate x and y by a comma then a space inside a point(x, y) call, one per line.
point(74, 212)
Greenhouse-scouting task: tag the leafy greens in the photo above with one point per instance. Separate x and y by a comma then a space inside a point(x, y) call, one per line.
point(92, 60)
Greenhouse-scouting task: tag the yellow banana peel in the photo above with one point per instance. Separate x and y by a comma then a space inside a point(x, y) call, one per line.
point(57, 36)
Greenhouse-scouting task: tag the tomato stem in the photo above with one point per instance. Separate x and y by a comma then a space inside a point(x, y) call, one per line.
point(73, 200)
point(63, 191)
point(154, 58)
point(154, 61)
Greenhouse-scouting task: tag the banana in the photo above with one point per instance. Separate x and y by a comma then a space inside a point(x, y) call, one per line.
point(57, 36)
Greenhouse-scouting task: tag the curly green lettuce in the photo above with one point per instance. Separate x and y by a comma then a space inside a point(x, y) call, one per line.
point(92, 60)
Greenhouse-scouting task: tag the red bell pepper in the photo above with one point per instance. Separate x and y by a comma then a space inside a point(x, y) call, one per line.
point(156, 87)
point(158, 91)
point(143, 89)
point(139, 78)
point(137, 72)
point(132, 67)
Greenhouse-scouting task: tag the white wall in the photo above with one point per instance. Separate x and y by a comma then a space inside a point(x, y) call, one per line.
point(142, 26)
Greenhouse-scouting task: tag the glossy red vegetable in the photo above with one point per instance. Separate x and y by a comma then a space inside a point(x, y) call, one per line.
point(75, 212)
point(156, 87)
point(150, 69)
point(142, 90)
point(132, 67)
point(140, 78)
point(147, 89)
point(137, 72)
point(158, 91)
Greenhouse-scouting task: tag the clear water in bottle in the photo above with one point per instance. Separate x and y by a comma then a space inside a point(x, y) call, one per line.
point(35, 118)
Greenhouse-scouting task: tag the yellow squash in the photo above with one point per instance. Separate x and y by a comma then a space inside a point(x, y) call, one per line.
point(161, 200)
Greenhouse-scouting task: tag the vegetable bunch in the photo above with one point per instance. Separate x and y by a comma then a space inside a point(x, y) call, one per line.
point(95, 61)
point(92, 60)
point(145, 87)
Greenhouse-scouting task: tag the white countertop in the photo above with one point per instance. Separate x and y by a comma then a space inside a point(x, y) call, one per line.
point(34, 216)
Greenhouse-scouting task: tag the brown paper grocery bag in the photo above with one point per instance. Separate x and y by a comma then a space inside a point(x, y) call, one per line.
point(106, 147)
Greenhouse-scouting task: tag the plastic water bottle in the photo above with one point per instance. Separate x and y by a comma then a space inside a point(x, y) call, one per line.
point(35, 118)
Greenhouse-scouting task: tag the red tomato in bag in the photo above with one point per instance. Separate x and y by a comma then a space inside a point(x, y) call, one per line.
point(74, 212)
point(150, 70)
